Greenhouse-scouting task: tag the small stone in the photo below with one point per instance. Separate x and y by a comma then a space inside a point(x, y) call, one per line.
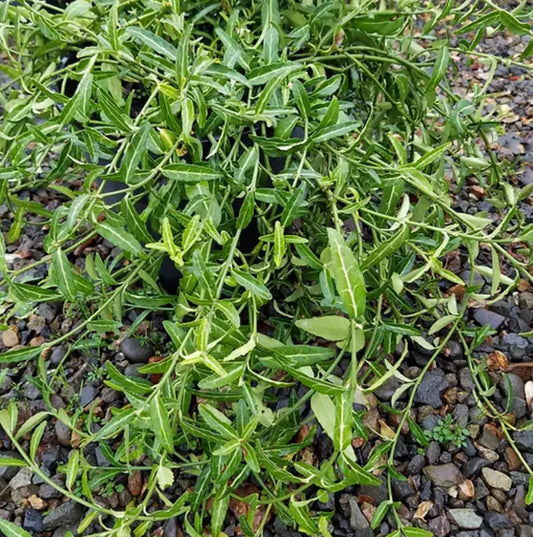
point(416, 464)
point(402, 489)
point(444, 475)
point(67, 514)
point(135, 483)
point(466, 518)
point(33, 521)
point(469, 449)
point(460, 415)
point(497, 521)
point(524, 531)
point(489, 438)
point(101, 459)
point(36, 323)
point(433, 452)
point(525, 301)
point(47, 492)
point(440, 526)
point(524, 440)
point(489, 454)
point(22, 479)
point(430, 390)
point(512, 460)
point(10, 337)
point(472, 467)
point(493, 504)
point(497, 480)
point(170, 528)
point(465, 379)
point(37, 503)
point(133, 370)
point(47, 311)
point(57, 355)
point(358, 521)
point(378, 493)
point(88, 395)
point(483, 317)
point(62, 434)
point(108, 395)
point(135, 351)
point(516, 345)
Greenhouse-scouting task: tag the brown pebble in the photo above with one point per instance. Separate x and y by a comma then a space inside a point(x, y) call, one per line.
point(10, 337)
point(512, 460)
point(494, 505)
point(37, 341)
point(450, 396)
point(466, 490)
point(135, 483)
point(37, 503)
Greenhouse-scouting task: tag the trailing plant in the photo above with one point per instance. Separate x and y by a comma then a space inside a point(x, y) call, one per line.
point(296, 162)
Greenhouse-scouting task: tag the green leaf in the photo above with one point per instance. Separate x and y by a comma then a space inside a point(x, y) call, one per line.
point(71, 469)
point(324, 134)
point(380, 513)
point(160, 422)
point(63, 274)
point(165, 477)
point(30, 423)
point(343, 420)
point(218, 513)
point(251, 284)
point(12, 530)
point(439, 69)
point(11, 461)
point(324, 410)
point(331, 116)
point(156, 43)
point(294, 203)
point(119, 237)
point(348, 278)
point(330, 327)
point(529, 495)
point(136, 150)
point(263, 74)
point(513, 24)
point(429, 157)
point(191, 173)
point(246, 211)
point(36, 439)
point(19, 355)
point(528, 51)
point(217, 421)
point(385, 249)
point(416, 532)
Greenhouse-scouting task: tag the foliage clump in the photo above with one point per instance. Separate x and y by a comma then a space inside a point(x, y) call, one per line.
point(296, 162)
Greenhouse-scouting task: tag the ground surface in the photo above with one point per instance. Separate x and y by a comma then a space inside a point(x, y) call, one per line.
point(477, 490)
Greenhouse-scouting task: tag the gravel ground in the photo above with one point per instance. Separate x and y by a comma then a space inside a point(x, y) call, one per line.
point(477, 490)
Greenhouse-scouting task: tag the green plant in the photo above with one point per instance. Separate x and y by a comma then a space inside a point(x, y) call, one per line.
point(328, 127)
point(447, 431)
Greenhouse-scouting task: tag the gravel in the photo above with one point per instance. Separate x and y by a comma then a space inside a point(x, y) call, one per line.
point(430, 390)
point(67, 514)
point(444, 475)
point(466, 518)
point(135, 351)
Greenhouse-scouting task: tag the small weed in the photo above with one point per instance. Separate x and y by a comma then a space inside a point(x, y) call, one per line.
point(447, 431)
